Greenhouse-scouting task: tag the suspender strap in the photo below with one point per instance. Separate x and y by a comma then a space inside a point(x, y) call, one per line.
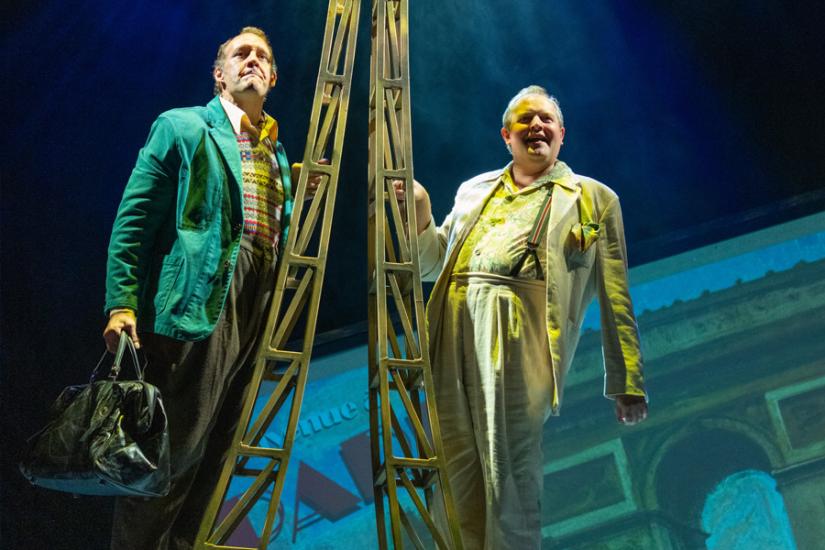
point(535, 236)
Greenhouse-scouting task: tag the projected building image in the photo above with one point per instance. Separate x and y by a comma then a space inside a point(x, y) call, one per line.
point(732, 457)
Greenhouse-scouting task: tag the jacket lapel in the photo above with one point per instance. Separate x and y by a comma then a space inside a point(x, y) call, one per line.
point(220, 130)
point(565, 196)
point(563, 214)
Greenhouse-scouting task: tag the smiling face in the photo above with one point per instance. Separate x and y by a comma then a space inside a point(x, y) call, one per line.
point(535, 133)
point(246, 68)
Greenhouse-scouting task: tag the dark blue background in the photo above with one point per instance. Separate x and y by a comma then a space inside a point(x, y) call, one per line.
point(706, 118)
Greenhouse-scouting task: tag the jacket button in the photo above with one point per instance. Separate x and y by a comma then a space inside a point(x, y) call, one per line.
point(226, 264)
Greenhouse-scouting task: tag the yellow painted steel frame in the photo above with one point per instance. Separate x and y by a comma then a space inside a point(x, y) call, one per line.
point(401, 385)
point(296, 297)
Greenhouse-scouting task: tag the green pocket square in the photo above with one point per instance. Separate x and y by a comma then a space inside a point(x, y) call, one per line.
point(586, 235)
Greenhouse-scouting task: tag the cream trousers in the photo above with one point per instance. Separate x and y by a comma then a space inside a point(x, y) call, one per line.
point(493, 379)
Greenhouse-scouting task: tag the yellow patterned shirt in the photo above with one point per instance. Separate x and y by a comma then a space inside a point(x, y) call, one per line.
point(499, 237)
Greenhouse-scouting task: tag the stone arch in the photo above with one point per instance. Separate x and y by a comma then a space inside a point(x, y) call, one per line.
point(708, 450)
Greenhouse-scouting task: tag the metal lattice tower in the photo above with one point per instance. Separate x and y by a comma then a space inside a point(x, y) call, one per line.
point(296, 297)
point(401, 385)
point(400, 380)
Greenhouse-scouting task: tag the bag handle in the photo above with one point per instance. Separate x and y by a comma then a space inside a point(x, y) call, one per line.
point(125, 343)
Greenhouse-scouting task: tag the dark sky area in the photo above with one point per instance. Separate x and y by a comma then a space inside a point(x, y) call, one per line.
point(705, 117)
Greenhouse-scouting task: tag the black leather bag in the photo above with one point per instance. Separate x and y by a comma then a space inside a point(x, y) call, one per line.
point(108, 437)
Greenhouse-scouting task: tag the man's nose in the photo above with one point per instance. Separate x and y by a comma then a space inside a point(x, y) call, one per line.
point(535, 122)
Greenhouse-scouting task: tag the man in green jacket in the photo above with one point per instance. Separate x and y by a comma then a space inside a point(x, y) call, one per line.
point(192, 263)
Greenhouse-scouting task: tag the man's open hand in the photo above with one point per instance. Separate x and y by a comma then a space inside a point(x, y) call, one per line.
point(313, 180)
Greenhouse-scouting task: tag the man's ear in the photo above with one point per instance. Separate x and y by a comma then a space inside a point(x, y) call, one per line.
point(505, 135)
point(273, 78)
point(217, 74)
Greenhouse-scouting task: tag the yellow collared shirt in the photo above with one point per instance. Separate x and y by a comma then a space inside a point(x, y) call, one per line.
point(499, 237)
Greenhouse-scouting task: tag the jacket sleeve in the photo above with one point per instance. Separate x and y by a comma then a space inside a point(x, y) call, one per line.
point(432, 248)
point(147, 203)
point(620, 334)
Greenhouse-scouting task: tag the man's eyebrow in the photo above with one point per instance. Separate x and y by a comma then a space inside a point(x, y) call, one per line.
point(537, 112)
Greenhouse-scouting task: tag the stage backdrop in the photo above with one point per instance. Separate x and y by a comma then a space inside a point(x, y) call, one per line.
point(596, 480)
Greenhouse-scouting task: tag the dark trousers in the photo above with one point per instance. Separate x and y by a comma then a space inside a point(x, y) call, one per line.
point(202, 384)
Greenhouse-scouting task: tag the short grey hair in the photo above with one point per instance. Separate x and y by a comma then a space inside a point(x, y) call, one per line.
point(533, 89)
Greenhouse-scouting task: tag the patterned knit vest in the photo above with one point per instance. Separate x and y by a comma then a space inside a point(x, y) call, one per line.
point(263, 193)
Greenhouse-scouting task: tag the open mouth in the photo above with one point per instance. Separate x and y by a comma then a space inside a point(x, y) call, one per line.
point(534, 141)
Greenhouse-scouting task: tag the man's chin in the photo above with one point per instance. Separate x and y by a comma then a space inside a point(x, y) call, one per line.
point(538, 149)
point(254, 88)
point(535, 161)
point(538, 156)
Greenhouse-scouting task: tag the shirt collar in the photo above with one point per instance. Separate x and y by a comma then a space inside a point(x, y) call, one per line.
point(235, 113)
point(557, 174)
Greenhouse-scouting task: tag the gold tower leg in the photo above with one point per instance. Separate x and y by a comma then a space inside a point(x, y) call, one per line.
point(400, 379)
point(295, 300)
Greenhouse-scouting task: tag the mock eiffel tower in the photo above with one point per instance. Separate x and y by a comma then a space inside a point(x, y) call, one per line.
point(409, 469)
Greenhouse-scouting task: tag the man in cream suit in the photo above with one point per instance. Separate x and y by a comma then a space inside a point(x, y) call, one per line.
point(504, 317)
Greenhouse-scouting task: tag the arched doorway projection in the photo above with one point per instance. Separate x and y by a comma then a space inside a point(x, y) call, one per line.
point(693, 466)
point(745, 511)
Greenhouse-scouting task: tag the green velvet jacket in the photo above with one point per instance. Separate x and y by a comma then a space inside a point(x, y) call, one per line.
point(177, 233)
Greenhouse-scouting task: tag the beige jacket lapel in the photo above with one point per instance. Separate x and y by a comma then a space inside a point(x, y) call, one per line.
point(564, 214)
point(565, 195)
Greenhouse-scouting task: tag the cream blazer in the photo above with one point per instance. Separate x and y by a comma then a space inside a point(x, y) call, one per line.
point(586, 257)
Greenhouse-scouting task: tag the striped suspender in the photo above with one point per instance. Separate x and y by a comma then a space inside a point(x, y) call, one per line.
point(534, 238)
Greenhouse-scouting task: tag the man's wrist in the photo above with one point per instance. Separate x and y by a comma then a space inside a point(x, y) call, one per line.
point(115, 311)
